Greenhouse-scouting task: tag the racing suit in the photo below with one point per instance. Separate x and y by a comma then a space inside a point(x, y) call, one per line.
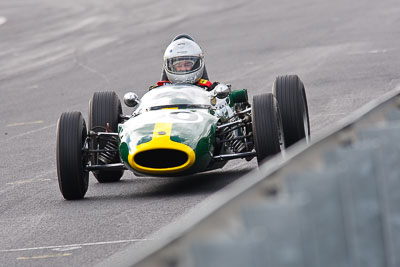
point(206, 84)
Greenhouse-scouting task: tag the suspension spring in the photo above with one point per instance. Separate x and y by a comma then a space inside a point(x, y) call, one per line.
point(109, 150)
point(237, 145)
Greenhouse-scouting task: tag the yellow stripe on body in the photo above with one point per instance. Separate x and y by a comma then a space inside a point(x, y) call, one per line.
point(162, 130)
point(162, 127)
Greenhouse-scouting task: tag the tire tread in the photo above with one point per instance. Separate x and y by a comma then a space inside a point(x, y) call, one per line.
point(290, 93)
point(73, 180)
point(265, 126)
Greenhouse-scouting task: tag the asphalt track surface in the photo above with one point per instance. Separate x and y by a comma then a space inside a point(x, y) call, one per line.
point(55, 54)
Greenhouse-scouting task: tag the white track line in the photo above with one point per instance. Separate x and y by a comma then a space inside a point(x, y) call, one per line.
point(76, 245)
point(29, 132)
point(45, 256)
point(24, 123)
point(28, 181)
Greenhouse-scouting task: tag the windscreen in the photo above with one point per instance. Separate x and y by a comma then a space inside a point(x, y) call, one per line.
point(180, 96)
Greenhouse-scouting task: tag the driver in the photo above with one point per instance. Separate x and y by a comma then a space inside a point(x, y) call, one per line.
point(184, 64)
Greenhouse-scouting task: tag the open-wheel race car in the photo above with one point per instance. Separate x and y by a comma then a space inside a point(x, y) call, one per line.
point(177, 130)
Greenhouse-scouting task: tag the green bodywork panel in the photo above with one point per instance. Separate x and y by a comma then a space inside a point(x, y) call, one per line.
point(192, 124)
point(239, 96)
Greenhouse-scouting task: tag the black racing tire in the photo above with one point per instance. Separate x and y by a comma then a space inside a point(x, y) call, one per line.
point(291, 95)
point(267, 127)
point(73, 180)
point(104, 107)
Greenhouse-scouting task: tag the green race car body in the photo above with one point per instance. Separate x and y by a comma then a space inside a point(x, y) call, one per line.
point(173, 132)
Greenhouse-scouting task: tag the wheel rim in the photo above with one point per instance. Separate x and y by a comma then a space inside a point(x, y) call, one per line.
point(84, 158)
point(305, 122)
point(281, 136)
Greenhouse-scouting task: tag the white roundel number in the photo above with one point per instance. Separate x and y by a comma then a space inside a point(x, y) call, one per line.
point(184, 116)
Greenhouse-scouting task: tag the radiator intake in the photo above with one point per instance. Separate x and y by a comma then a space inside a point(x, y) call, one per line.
point(161, 158)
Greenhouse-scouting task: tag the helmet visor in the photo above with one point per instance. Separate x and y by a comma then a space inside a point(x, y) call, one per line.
point(183, 65)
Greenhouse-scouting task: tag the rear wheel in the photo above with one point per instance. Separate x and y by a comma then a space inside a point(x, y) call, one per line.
point(105, 107)
point(73, 180)
point(291, 96)
point(267, 127)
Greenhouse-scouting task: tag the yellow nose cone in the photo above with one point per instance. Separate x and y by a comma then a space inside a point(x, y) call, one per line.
point(161, 155)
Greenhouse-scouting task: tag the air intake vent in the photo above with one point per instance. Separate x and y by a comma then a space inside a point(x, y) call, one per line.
point(161, 158)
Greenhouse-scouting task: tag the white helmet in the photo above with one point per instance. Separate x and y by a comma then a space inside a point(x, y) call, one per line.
point(183, 61)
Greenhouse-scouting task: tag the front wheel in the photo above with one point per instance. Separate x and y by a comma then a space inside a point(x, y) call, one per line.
point(73, 180)
point(291, 95)
point(267, 127)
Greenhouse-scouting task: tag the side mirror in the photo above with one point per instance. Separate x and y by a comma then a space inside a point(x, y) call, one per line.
point(222, 91)
point(131, 99)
